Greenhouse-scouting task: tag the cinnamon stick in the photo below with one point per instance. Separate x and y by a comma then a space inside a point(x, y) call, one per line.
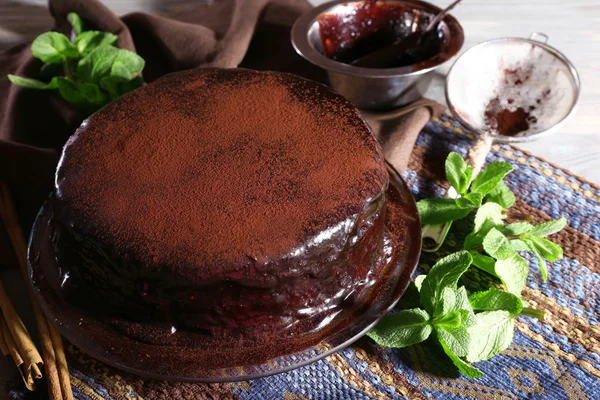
point(52, 375)
point(57, 374)
point(61, 363)
point(19, 343)
point(3, 346)
point(29, 370)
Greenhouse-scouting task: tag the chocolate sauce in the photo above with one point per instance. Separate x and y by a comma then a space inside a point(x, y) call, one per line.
point(371, 25)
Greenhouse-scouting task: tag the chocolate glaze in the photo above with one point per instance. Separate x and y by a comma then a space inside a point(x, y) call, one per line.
point(318, 277)
point(151, 349)
point(220, 200)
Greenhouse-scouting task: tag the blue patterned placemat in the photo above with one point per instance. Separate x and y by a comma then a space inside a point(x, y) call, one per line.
point(558, 358)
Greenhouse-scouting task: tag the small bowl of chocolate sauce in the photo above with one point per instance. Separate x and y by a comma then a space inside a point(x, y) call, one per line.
point(337, 35)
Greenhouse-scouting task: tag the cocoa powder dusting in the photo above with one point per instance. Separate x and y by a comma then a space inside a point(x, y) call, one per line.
point(209, 167)
point(508, 119)
point(504, 121)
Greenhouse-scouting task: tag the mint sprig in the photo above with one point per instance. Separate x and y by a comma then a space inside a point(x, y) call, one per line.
point(473, 327)
point(446, 312)
point(471, 194)
point(88, 71)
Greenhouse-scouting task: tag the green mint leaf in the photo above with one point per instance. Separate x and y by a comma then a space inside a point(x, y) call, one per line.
point(457, 339)
point(90, 40)
point(467, 369)
point(446, 302)
point(491, 212)
point(490, 177)
point(542, 263)
point(484, 263)
point(468, 177)
point(463, 304)
point(106, 61)
point(127, 61)
point(475, 238)
point(513, 273)
point(483, 225)
point(457, 173)
point(117, 87)
point(120, 71)
point(517, 228)
point(419, 281)
point(543, 248)
point(53, 47)
point(401, 329)
point(445, 273)
point(472, 241)
point(450, 321)
point(87, 96)
point(495, 299)
point(491, 334)
point(502, 195)
point(550, 227)
point(519, 245)
point(438, 211)
point(76, 22)
point(548, 249)
point(453, 300)
point(32, 83)
point(497, 245)
point(470, 200)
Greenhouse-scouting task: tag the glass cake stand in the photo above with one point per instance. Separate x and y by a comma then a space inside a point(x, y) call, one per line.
point(197, 357)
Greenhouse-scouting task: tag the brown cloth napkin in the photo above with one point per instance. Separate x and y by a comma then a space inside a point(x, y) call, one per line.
point(255, 34)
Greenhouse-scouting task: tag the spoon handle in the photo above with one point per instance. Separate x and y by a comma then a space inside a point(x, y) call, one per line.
point(436, 20)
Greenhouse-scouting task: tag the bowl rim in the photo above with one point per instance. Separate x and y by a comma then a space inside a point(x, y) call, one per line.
point(517, 139)
point(300, 42)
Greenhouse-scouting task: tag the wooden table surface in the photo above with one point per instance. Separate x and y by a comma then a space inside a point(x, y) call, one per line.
point(573, 27)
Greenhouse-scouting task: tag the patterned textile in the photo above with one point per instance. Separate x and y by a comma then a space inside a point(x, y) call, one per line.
point(558, 358)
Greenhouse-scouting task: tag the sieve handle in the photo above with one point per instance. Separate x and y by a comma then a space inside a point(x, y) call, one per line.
point(539, 37)
point(478, 152)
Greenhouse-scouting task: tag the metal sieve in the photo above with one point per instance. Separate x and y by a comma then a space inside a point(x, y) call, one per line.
point(514, 74)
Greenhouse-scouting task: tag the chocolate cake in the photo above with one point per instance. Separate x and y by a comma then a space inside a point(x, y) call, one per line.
point(216, 200)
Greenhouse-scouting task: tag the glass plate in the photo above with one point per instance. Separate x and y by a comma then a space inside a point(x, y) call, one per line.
point(205, 358)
